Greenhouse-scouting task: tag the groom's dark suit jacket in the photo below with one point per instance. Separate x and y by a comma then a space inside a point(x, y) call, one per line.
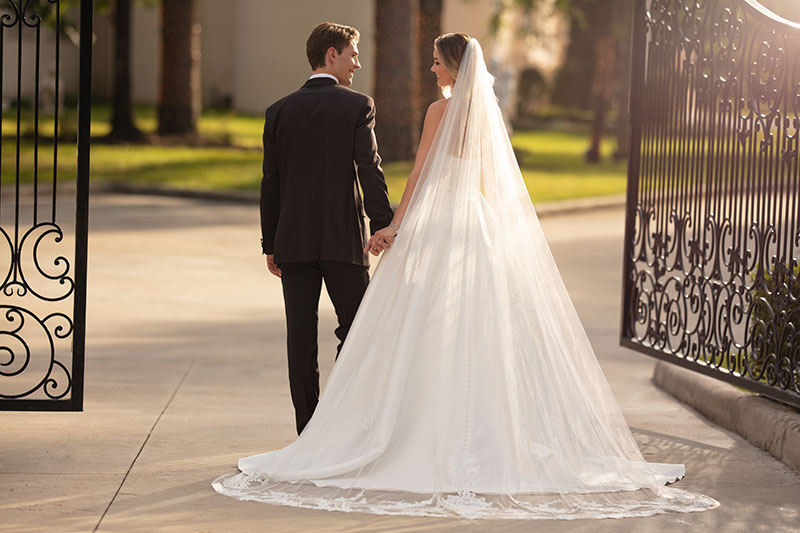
point(318, 145)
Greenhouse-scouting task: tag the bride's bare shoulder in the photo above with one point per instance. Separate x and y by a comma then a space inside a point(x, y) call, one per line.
point(436, 110)
point(438, 106)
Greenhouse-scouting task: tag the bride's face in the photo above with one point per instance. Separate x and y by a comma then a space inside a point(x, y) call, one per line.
point(443, 77)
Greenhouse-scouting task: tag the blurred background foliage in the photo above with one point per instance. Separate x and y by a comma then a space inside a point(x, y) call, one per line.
point(569, 122)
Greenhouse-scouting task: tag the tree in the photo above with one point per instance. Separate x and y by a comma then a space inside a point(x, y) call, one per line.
point(601, 89)
point(430, 27)
point(179, 98)
point(397, 77)
point(595, 72)
point(123, 127)
point(623, 22)
point(573, 83)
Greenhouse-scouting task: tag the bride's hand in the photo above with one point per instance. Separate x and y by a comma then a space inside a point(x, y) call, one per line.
point(381, 241)
point(374, 247)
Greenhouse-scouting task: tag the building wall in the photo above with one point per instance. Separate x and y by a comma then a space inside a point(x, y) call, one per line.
point(471, 17)
point(253, 51)
point(270, 42)
point(217, 46)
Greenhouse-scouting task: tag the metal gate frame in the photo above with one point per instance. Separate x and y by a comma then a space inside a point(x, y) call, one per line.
point(733, 101)
point(76, 373)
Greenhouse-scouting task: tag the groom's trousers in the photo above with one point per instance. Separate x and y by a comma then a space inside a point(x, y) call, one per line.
point(302, 284)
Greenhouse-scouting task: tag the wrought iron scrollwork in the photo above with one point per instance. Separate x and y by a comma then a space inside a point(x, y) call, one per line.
point(712, 277)
point(22, 335)
point(27, 280)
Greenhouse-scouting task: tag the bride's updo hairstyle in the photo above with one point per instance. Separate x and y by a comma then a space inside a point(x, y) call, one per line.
point(450, 49)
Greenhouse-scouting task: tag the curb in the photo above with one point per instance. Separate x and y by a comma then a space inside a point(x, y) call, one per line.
point(579, 205)
point(546, 209)
point(246, 197)
point(770, 425)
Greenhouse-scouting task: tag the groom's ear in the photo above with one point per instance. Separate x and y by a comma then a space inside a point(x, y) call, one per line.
point(330, 55)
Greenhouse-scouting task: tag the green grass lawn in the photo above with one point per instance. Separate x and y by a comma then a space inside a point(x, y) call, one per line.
point(554, 168)
point(552, 162)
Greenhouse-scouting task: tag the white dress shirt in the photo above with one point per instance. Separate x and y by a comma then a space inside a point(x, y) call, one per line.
point(324, 75)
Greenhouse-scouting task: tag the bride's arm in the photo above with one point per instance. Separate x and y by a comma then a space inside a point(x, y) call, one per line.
point(432, 119)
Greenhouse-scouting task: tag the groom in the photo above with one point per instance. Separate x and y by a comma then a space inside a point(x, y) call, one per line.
point(319, 145)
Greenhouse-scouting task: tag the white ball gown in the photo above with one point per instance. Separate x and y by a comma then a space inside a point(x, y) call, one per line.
point(467, 386)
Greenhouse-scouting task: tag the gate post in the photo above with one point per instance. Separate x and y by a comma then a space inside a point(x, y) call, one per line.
point(638, 56)
point(82, 207)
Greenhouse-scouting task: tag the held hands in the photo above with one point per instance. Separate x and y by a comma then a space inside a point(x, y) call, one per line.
point(381, 241)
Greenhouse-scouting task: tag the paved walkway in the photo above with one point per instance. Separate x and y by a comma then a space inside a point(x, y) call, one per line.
point(186, 373)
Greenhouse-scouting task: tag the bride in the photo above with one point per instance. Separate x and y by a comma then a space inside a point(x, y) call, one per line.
point(467, 386)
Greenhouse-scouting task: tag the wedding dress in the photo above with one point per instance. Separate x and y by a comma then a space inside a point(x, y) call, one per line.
point(467, 386)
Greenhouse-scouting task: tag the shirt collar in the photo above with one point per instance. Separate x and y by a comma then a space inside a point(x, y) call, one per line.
point(323, 75)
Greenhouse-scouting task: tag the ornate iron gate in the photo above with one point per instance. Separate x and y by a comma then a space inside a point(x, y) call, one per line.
point(712, 235)
point(43, 291)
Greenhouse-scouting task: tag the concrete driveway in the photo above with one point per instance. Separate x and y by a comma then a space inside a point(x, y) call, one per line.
point(186, 373)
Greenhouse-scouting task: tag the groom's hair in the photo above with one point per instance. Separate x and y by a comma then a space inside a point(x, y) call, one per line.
point(326, 35)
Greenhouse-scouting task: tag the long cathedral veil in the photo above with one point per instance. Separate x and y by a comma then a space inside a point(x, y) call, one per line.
point(467, 385)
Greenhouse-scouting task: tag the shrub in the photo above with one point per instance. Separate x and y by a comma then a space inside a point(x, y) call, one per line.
point(775, 327)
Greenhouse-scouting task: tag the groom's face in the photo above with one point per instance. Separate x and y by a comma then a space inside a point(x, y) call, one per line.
point(345, 64)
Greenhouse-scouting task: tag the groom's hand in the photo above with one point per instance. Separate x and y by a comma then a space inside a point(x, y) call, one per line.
point(381, 241)
point(373, 249)
point(271, 266)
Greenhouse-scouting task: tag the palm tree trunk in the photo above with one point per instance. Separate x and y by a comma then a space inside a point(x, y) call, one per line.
point(430, 27)
point(604, 62)
point(396, 77)
point(179, 104)
point(122, 126)
point(623, 24)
